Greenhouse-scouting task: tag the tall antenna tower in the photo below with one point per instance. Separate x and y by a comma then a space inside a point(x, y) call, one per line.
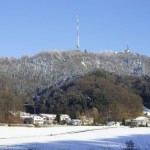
point(127, 47)
point(78, 42)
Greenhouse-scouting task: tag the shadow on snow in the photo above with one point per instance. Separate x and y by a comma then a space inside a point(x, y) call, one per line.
point(142, 141)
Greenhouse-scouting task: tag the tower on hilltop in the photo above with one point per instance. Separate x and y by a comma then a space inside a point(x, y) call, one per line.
point(78, 40)
point(127, 50)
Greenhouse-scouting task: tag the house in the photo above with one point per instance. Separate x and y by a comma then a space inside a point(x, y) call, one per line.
point(37, 120)
point(64, 117)
point(31, 119)
point(48, 118)
point(139, 121)
point(27, 118)
point(41, 119)
point(113, 123)
point(75, 122)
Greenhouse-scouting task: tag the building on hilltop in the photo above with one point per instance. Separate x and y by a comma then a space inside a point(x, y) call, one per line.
point(127, 50)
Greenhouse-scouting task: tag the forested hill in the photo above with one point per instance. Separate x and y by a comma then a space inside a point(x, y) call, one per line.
point(98, 94)
point(77, 83)
point(30, 75)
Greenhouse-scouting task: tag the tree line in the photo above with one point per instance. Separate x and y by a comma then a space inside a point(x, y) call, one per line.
point(10, 105)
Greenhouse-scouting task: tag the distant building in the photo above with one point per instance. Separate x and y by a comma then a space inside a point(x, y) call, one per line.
point(48, 118)
point(64, 117)
point(75, 122)
point(139, 121)
point(31, 118)
point(27, 118)
point(41, 119)
point(127, 50)
point(113, 123)
point(38, 120)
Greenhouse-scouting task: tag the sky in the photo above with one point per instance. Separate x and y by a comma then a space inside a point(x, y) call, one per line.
point(28, 27)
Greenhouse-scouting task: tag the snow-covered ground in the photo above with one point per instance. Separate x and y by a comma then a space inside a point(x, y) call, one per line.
point(73, 138)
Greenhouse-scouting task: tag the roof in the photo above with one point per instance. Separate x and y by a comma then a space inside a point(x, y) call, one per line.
point(141, 118)
point(48, 115)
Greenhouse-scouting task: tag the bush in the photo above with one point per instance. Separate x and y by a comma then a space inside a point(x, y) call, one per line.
point(130, 145)
point(37, 125)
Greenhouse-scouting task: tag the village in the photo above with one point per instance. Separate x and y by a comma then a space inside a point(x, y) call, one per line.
point(45, 120)
point(40, 120)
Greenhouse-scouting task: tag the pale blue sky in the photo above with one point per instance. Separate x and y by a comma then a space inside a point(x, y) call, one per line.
point(28, 27)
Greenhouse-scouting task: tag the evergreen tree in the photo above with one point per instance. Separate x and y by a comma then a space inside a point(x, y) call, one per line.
point(130, 146)
point(58, 118)
point(123, 122)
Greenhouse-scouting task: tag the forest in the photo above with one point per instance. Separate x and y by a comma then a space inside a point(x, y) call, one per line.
point(10, 105)
point(107, 86)
point(99, 94)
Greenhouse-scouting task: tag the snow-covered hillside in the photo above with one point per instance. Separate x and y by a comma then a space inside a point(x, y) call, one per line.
point(46, 68)
point(73, 138)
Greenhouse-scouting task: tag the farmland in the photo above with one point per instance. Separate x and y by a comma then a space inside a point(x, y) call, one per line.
point(73, 138)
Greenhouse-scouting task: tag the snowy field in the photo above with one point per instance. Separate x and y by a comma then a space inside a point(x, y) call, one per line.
point(72, 138)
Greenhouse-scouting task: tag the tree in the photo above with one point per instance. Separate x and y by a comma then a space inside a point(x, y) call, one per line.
point(123, 121)
point(130, 145)
point(9, 106)
point(58, 118)
point(146, 124)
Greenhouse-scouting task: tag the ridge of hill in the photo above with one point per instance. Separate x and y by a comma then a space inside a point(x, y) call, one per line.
point(30, 75)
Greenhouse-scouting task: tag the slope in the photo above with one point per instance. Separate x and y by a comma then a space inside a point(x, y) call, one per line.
point(94, 94)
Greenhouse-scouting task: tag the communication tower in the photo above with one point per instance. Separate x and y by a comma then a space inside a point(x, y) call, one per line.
point(78, 40)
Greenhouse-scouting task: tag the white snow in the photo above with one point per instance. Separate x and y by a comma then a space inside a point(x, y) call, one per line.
point(73, 138)
point(83, 63)
point(141, 118)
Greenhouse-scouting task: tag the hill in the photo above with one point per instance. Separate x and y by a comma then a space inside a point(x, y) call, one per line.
point(53, 78)
point(96, 94)
point(30, 75)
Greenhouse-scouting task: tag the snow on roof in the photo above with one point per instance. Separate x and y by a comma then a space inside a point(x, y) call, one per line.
point(48, 115)
point(141, 118)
